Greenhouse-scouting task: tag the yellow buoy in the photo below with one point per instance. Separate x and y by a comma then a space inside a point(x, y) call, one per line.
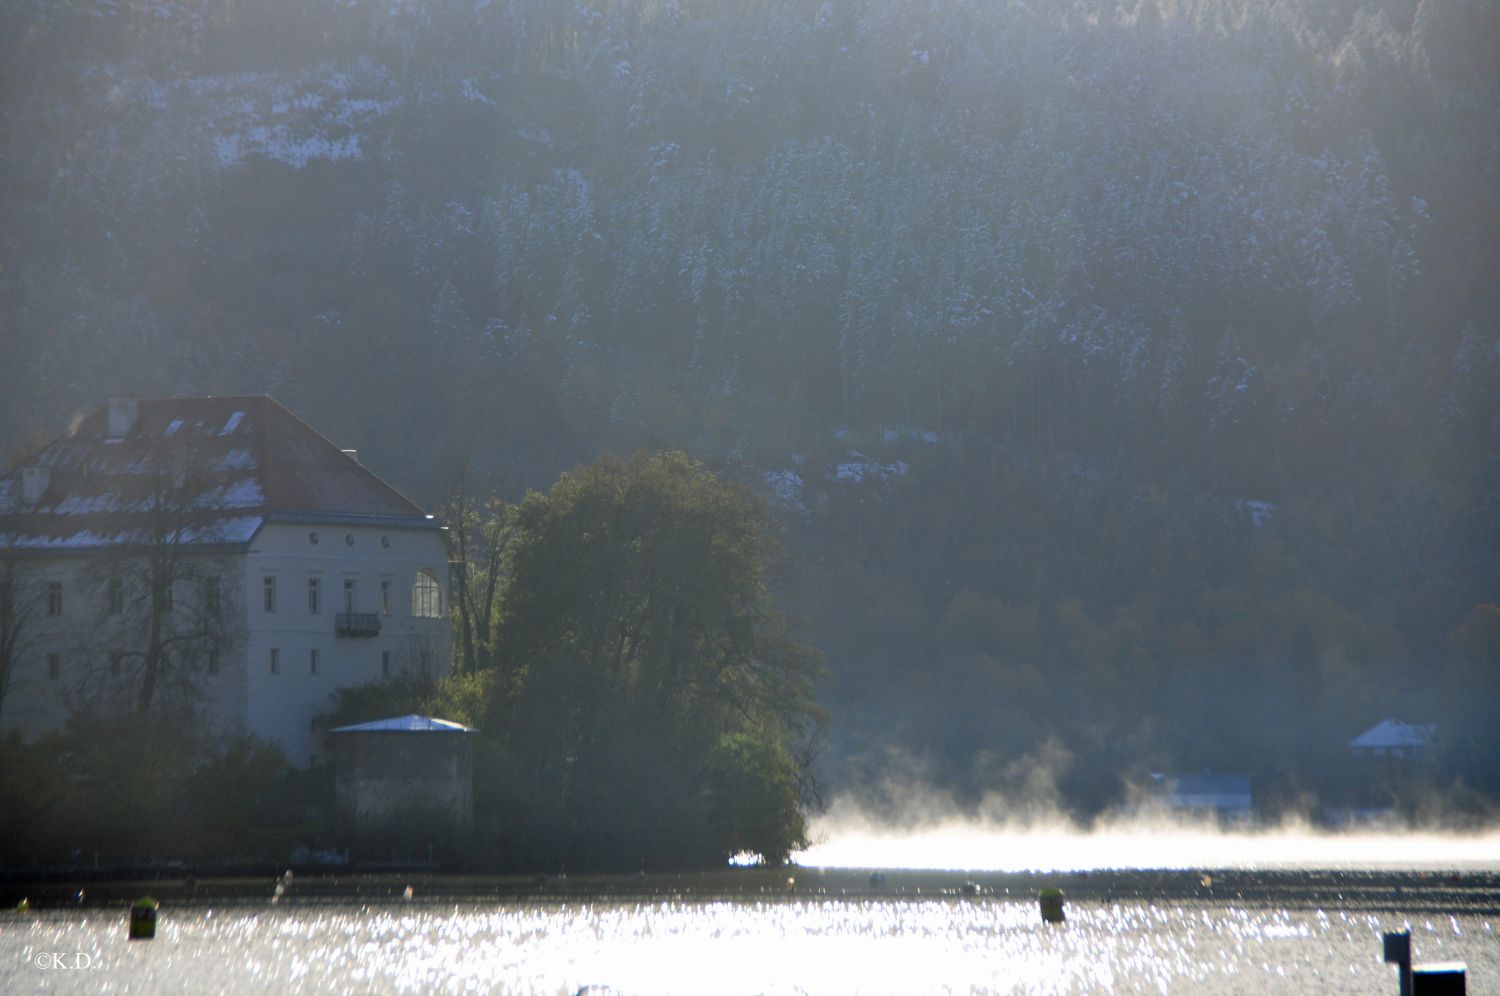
point(143, 919)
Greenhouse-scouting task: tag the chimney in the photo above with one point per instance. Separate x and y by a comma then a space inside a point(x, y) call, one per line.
point(121, 417)
point(34, 482)
point(351, 454)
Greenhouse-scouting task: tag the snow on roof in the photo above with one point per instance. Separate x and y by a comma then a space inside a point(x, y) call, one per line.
point(1390, 733)
point(223, 464)
point(408, 724)
point(226, 531)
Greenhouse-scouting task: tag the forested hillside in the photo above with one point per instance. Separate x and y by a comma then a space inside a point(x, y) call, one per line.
point(1126, 374)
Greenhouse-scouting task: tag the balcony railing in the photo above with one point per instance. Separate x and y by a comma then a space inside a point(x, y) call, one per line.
point(356, 624)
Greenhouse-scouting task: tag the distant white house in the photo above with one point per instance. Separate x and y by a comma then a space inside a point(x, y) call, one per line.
point(1393, 738)
point(219, 551)
point(1225, 797)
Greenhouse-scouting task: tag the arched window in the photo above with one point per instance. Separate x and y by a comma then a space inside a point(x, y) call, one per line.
point(426, 596)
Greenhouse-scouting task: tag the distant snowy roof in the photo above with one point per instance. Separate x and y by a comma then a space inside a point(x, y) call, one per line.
point(1390, 733)
point(408, 724)
point(230, 464)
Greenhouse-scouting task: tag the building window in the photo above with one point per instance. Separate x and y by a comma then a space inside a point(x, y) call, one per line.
point(211, 595)
point(54, 666)
point(275, 661)
point(385, 597)
point(312, 662)
point(115, 598)
point(268, 590)
point(426, 659)
point(426, 596)
point(54, 598)
point(385, 663)
point(314, 596)
point(166, 597)
point(350, 589)
point(213, 661)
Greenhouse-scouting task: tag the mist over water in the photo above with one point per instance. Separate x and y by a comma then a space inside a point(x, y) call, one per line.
point(848, 836)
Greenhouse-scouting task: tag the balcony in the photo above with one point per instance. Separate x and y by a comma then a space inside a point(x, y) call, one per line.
point(356, 624)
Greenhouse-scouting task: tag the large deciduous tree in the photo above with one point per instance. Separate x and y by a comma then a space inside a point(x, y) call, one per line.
point(652, 697)
point(164, 582)
point(480, 532)
point(22, 602)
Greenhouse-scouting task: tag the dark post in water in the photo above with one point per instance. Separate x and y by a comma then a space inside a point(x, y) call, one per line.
point(1051, 900)
point(1437, 979)
point(1398, 952)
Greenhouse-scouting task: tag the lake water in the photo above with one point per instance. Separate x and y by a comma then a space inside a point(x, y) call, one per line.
point(1275, 928)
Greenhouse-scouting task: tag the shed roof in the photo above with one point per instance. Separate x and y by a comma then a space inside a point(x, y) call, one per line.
point(1389, 733)
point(229, 463)
point(408, 724)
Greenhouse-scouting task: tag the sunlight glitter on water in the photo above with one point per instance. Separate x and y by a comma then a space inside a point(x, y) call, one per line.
point(827, 946)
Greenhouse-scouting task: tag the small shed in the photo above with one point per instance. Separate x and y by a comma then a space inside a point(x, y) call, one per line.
point(1393, 738)
point(405, 764)
point(1224, 796)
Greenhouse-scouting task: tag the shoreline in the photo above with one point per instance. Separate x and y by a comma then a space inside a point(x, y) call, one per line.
point(1436, 891)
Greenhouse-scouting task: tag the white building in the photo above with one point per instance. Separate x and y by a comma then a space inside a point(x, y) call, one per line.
point(1393, 738)
point(212, 552)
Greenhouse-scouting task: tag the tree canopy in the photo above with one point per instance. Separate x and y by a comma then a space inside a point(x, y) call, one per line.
point(648, 686)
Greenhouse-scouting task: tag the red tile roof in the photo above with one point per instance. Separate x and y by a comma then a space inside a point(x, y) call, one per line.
point(225, 465)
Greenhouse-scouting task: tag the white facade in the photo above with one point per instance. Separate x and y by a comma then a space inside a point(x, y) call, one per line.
point(227, 672)
point(297, 572)
point(369, 571)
